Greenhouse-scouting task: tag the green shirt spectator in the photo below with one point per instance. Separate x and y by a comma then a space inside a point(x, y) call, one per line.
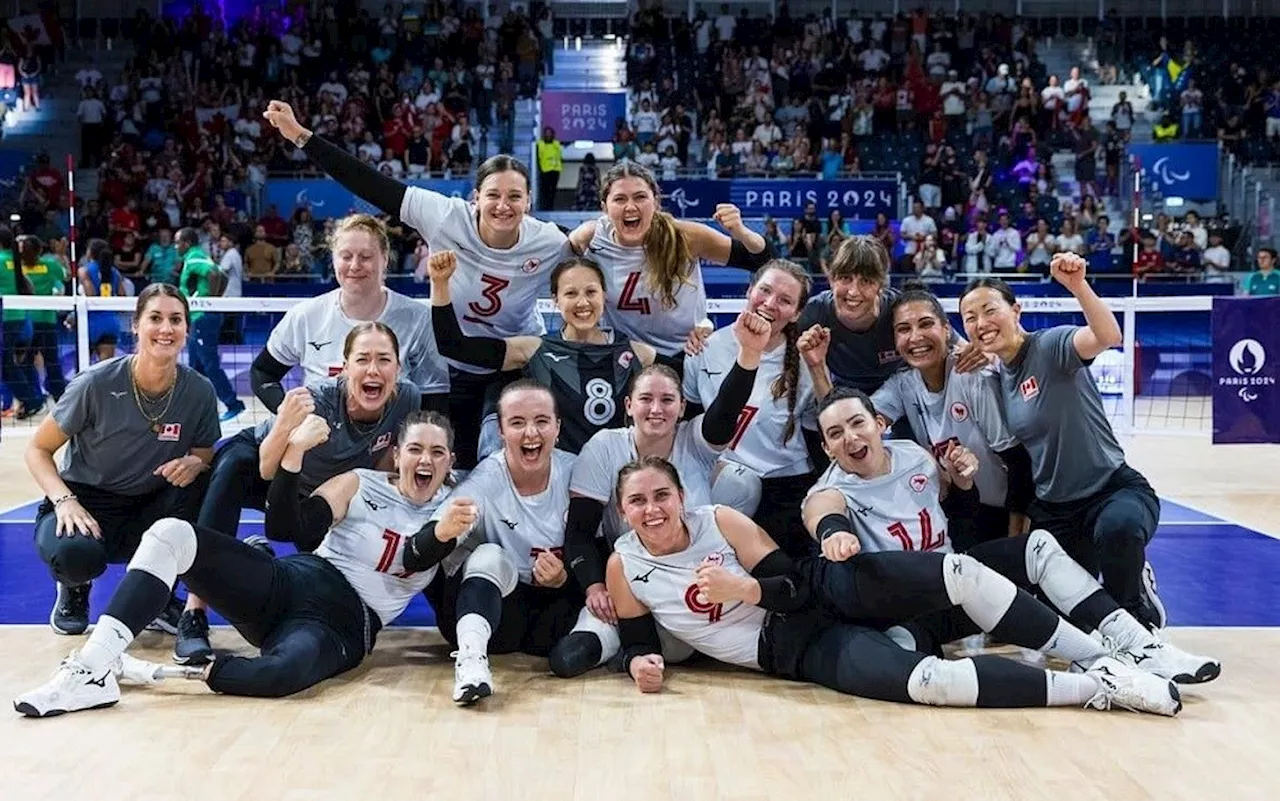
point(1266, 281)
point(160, 259)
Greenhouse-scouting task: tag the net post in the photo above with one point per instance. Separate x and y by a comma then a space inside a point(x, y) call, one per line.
point(1130, 335)
point(82, 305)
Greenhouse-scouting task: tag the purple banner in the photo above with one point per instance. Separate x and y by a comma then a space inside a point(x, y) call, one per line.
point(1246, 365)
point(583, 115)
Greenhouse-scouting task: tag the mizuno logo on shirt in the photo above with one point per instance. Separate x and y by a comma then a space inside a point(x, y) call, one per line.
point(645, 578)
point(709, 373)
point(319, 345)
point(118, 394)
point(511, 524)
point(863, 510)
point(375, 507)
point(595, 248)
point(557, 357)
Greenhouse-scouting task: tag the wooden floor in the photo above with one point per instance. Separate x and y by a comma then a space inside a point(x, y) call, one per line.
point(390, 729)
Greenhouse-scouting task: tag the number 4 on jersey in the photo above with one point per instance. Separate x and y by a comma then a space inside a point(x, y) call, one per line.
point(628, 301)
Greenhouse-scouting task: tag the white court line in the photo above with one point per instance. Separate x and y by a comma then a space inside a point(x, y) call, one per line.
point(1225, 519)
point(1164, 523)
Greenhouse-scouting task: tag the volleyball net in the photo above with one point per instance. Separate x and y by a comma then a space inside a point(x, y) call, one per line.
point(1159, 380)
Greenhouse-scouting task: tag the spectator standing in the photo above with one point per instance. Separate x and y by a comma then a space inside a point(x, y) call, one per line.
point(550, 156)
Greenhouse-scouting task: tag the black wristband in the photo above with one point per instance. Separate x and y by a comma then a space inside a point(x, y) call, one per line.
point(833, 523)
point(424, 551)
point(740, 257)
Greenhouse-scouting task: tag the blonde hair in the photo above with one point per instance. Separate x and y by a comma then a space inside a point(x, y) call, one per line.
point(667, 255)
point(366, 223)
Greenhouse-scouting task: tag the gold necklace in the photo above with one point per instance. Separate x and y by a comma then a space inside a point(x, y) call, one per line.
point(138, 395)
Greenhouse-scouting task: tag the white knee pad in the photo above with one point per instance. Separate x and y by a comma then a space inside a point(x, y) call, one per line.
point(737, 487)
point(1062, 580)
point(984, 594)
point(944, 682)
point(610, 641)
point(673, 651)
point(490, 441)
point(166, 550)
point(488, 561)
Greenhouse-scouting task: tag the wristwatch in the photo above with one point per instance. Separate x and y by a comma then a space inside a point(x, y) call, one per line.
point(302, 139)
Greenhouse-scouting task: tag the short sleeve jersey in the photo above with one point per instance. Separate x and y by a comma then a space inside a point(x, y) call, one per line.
point(368, 544)
point(350, 445)
point(668, 586)
point(966, 411)
point(589, 382)
point(757, 444)
point(899, 511)
point(631, 309)
point(312, 334)
point(112, 445)
point(494, 292)
point(857, 359)
point(595, 473)
point(523, 525)
point(1053, 407)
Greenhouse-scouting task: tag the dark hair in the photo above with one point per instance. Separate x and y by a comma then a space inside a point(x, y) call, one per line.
point(360, 329)
point(861, 257)
point(25, 287)
point(6, 237)
point(645, 463)
point(988, 282)
point(522, 384)
point(667, 254)
point(845, 393)
point(152, 291)
point(789, 382)
point(98, 250)
point(570, 263)
point(499, 164)
point(1271, 251)
point(916, 292)
point(429, 418)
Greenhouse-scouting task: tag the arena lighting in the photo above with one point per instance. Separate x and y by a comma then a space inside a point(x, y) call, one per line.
point(1174, 202)
point(585, 144)
point(15, 217)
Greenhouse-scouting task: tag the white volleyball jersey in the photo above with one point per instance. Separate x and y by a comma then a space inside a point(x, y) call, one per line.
point(495, 292)
point(899, 511)
point(312, 333)
point(595, 473)
point(367, 545)
point(967, 411)
point(631, 309)
point(523, 525)
point(668, 586)
point(757, 443)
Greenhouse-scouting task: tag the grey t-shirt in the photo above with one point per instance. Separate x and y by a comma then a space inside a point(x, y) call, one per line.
point(112, 446)
point(858, 359)
point(349, 446)
point(1053, 408)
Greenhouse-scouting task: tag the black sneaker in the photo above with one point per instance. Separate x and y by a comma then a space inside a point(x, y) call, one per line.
point(1154, 615)
point(192, 646)
point(70, 613)
point(167, 621)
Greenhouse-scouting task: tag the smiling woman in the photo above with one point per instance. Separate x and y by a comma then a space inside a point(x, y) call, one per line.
point(139, 432)
point(364, 406)
point(587, 370)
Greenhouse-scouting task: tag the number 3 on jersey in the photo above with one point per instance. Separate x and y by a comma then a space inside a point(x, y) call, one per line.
point(929, 540)
point(628, 301)
point(492, 286)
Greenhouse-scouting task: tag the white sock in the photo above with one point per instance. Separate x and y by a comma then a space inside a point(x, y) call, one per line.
point(1073, 645)
point(1125, 630)
point(473, 633)
point(109, 639)
point(1070, 689)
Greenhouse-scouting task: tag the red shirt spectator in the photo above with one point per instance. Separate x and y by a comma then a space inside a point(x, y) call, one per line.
point(276, 227)
point(49, 182)
point(123, 219)
point(1149, 259)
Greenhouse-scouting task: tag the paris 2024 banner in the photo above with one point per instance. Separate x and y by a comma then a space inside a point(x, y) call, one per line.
point(1246, 365)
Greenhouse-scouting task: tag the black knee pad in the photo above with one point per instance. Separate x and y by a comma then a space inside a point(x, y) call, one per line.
point(575, 654)
point(76, 560)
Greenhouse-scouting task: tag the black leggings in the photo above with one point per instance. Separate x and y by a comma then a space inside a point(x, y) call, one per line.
point(1108, 533)
point(235, 483)
point(300, 611)
point(471, 398)
point(779, 513)
point(530, 620)
point(75, 559)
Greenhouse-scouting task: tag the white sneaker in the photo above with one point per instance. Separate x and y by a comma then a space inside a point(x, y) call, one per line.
point(1171, 662)
point(472, 679)
point(1132, 689)
point(73, 688)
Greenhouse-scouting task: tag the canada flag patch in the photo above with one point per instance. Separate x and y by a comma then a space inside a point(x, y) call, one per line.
point(713, 558)
point(919, 481)
point(1029, 388)
point(959, 412)
point(383, 441)
point(170, 432)
point(624, 359)
point(531, 266)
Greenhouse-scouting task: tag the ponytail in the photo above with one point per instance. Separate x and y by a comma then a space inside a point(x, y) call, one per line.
point(668, 258)
point(789, 382)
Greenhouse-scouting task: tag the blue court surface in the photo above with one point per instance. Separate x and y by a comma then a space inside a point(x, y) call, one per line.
point(1211, 572)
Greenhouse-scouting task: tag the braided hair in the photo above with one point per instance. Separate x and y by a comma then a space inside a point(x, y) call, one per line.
point(789, 382)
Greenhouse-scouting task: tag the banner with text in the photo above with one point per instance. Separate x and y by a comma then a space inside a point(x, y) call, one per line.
point(1246, 365)
point(1188, 171)
point(856, 198)
point(328, 198)
point(583, 115)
